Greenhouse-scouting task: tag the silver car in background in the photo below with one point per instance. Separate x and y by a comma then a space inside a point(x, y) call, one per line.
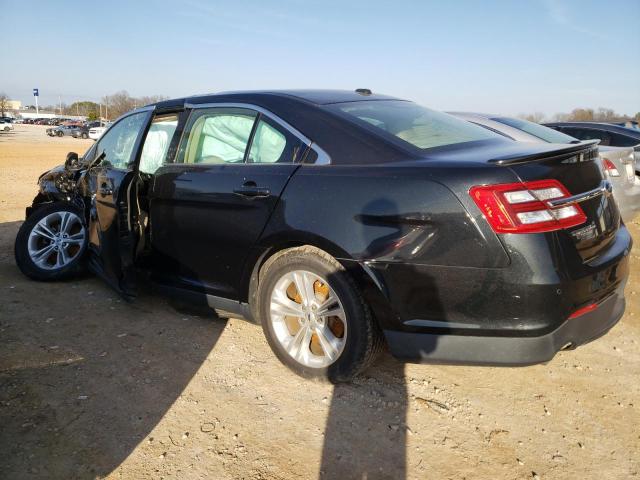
point(618, 162)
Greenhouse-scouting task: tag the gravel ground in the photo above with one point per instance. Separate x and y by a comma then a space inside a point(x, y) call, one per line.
point(95, 387)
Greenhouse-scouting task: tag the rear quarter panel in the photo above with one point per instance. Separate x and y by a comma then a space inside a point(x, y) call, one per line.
point(384, 214)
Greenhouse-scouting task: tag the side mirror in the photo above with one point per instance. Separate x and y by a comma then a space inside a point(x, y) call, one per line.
point(72, 160)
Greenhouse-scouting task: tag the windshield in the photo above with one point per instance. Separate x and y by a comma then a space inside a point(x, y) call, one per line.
point(416, 125)
point(544, 133)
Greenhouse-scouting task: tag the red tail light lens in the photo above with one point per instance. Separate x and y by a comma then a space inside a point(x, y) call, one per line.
point(610, 168)
point(522, 208)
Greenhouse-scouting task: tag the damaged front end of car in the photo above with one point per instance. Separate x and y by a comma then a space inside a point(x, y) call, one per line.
point(62, 183)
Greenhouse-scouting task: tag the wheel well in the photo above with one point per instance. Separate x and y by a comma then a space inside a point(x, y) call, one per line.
point(372, 294)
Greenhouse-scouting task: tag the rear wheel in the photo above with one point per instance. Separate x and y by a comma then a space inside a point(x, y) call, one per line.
point(314, 317)
point(51, 243)
point(60, 134)
point(85, 135)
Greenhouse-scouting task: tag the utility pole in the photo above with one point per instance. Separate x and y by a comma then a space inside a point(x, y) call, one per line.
point(60, 104)
point(106, 109)
point(36, 94)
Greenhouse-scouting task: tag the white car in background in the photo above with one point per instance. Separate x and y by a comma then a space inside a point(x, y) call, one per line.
point(5, 126)
point(96, 132)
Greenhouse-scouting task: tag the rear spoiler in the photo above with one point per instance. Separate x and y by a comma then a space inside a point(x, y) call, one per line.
point(582, 152)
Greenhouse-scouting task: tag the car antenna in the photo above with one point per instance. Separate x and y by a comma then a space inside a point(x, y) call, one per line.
point(363, 91)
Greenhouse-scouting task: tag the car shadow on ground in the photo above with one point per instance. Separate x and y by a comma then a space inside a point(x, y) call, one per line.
point(366, 430)
point(85, 379)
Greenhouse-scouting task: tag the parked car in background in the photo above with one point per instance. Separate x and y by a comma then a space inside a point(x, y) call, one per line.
point(618, 163)
point(61, 131)
point(340, 220)
point(80, 132)
point(6, 126)
point(96, 132)
point(608, 134)
point(7, 119)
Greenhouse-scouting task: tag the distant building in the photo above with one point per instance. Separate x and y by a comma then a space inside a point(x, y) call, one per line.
point(14, 104)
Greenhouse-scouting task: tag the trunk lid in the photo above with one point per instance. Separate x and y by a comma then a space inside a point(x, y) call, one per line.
point(578, 168)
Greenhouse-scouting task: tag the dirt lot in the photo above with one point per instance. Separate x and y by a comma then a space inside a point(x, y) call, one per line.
point(93, 387)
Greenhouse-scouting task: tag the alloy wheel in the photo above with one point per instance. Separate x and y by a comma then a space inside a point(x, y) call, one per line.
point(56, 240)
point(308, 319)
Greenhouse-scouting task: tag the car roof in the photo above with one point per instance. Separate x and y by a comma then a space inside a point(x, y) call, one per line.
point(317, 97)
point(488, 116)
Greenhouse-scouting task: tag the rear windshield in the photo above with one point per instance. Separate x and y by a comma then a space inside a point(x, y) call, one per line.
point(544, 133)
point(416, 125)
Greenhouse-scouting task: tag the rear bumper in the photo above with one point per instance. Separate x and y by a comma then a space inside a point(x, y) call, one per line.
point(508, 351)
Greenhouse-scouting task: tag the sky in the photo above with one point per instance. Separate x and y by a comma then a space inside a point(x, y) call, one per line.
point(504, 57)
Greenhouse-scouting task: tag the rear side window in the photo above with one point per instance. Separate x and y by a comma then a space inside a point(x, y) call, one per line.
point(273, 144)
point(419, 126)
point(619, 140)
point(544, 133)
point(588, 134)
point(217, 136)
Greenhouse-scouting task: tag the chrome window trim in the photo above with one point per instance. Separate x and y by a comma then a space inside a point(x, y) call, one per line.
point(303, 138)
point(323, 157)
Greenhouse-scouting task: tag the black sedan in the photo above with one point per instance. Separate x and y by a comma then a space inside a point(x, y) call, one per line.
point(342, 221)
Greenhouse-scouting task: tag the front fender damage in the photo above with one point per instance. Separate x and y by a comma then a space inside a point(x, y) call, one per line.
point(58, 185)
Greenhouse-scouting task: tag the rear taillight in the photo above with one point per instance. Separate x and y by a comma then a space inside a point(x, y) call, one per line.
point(523, 208)
point(610, 168)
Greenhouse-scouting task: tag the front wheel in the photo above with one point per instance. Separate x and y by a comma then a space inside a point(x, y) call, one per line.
point(314, 317)
point(85, 135)
point(51, 243)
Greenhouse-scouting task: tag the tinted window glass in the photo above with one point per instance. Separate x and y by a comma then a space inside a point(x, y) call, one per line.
point(117, 144)
point(619, 140)
point(271, 144)
point(217, 135)
point(591, 134)
point(416, 125)
point(544, 133)
point(156, 144)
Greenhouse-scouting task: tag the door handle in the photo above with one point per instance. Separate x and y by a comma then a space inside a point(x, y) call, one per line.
point(105, 190)
point(250, 189)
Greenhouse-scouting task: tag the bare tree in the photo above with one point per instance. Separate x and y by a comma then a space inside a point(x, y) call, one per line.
point(536, 117)
point(606, 115)
point(121, 102)
point(4, 103)
point(581, 115)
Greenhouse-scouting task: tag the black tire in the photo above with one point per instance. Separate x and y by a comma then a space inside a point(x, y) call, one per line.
point(364, 340)
point(85, 135)
point(21, 249)
point(60, 134)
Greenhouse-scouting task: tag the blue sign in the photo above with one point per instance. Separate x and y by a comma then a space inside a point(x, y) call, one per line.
point(35, 92)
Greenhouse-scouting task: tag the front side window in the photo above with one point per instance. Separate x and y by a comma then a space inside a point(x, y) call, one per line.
point(157, 142)
point(217, 136)
point(419, 126)
point(117, 144)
